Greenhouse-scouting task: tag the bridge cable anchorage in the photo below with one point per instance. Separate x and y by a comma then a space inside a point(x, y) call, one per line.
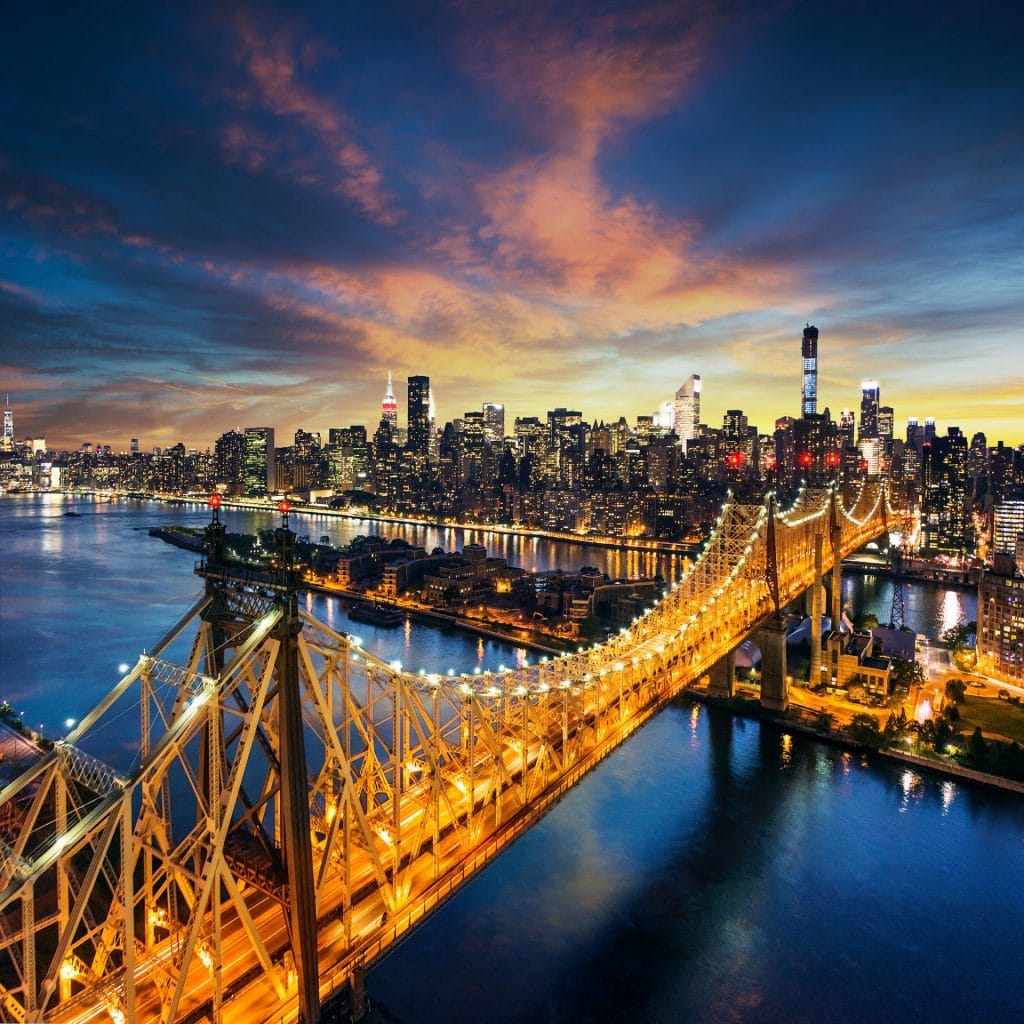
point(167, 890)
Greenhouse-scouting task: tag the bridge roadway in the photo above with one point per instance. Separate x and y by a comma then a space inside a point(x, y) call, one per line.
point(415, 783)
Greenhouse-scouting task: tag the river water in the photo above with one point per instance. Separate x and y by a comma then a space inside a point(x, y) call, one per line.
point(712, 869)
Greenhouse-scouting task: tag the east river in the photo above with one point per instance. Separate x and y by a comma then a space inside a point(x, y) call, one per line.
point(712, 869)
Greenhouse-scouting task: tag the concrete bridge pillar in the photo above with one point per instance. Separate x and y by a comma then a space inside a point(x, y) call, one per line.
point(774, 687)
point(357, 993)
point(814, 666)
point(723, 676)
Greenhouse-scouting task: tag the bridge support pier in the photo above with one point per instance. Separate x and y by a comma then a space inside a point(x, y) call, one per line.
point(817, 610)
point(774, 685)
point(723, 676)
point(357, 992)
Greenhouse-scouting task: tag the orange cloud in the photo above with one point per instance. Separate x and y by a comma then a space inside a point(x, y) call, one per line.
point(551, 225)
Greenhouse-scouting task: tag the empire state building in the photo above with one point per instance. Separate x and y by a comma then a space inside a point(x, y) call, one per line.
point(389, 410)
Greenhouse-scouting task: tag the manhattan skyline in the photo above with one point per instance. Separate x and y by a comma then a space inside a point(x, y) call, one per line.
point(213, 219)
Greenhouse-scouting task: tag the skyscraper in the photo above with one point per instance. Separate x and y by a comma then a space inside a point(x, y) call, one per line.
point(1007, 524)
point(419, 415)
point(494, 422)
point(389, 409)
point(870, 397)
point(8, 435)
point(687, 407)
point(847, 428)
point(229, 460)
point(809, 355)
point(432, 442)
point(260, 468)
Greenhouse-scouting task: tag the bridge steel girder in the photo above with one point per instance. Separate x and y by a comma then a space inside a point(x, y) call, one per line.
point(412, 783)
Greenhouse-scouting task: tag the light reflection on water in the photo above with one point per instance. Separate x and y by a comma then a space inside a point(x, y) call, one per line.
point(653, 890)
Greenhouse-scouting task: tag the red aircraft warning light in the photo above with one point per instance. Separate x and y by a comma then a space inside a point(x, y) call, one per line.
point(806, 459)
point(284, 507)
point(734, 459)
point(215, 501)
point(832, 459)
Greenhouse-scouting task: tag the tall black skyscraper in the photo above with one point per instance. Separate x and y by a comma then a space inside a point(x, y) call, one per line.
point(870, 399)
point(419, 414)
point(809, 354)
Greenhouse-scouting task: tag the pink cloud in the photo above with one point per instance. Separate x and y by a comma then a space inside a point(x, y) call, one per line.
point(275, 64)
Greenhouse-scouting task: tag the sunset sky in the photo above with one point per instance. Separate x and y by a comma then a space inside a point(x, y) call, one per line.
point(215, 216)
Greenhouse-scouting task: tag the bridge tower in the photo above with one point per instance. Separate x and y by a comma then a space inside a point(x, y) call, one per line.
point(897, 608)
point(288, 854)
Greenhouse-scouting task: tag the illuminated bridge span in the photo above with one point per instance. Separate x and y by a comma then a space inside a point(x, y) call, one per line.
point(260, 808)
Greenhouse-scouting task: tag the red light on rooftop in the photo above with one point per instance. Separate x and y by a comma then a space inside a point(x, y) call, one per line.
point(735, 459)
point(806, 459)
point(863, 463)
point(832, 459)
point(214, 501)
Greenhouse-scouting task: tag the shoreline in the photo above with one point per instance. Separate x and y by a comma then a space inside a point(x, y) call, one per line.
point(678, 549)
point(753, 711)
point(440, 619)
point(840, 739)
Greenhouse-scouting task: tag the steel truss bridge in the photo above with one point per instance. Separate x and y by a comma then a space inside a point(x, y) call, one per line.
point(289, 806)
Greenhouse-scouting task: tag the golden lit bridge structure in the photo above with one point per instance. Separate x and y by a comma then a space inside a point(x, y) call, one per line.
point(260, 808)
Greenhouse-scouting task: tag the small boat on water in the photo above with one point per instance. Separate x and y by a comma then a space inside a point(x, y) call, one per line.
point(376, 614)
point(77, 515)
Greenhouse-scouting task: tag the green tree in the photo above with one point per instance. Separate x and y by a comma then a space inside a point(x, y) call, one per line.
point(868, 621)
point(943, 735)
point(956, 690)
point(823, 723)
point(906, 674)
point(977, 750)
point(956, 637)
point(864, 729)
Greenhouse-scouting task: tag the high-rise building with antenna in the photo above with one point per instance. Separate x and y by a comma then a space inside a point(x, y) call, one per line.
point(389, 409)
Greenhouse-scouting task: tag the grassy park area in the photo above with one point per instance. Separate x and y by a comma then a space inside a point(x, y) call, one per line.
point(998, 719)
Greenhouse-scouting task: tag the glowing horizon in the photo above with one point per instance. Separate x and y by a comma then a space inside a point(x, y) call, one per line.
point(215, 219)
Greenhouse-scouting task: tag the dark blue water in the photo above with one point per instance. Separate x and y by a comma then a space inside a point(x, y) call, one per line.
point(711, 870)
point(82, 596)
point(928, 609)
point(717, 870)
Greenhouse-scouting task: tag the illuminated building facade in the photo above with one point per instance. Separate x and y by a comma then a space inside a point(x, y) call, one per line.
point(418, 440)
point(1007, 525)
point(7, 441)
point(945, 516)
point(1001, 621)
point(809, 363)
point(389, 410)
point(687, 409)
point(260, 463)
point(494, 422)
point(870, 397)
